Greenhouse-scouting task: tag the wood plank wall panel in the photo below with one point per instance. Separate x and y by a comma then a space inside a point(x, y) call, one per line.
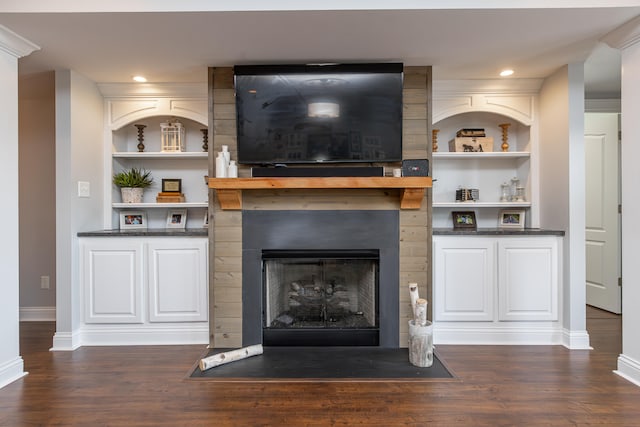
point(226, 235)
point(225, 232)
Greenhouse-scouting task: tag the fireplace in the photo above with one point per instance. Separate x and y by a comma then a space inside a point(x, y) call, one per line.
point(320, 278)
point(320, 297)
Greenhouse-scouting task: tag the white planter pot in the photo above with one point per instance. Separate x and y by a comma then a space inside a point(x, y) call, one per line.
point(131, 195)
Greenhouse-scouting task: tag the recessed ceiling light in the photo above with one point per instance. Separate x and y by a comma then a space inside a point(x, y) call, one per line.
point(505, 73)
point(139, 79)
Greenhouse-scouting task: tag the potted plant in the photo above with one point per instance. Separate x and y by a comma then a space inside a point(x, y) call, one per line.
point(132, 183)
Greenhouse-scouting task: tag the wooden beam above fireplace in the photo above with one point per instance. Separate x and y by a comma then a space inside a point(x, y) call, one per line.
point(229, 190)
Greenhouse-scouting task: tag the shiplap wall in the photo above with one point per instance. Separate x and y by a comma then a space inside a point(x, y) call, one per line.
point(225, 227)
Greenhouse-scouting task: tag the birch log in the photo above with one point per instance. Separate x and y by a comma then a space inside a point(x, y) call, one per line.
point(413, 293)
point(421, 312)
point(229, 356)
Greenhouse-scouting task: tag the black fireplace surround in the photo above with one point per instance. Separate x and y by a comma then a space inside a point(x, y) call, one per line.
point(321, 232)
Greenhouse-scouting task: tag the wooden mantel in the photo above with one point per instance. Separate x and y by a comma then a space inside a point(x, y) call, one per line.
point(229, 190)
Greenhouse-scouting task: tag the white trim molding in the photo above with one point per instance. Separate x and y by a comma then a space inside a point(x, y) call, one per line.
point(625, 35)
point(602, 105)
point(37, 314)
point(66, 341)
point(628, 369)
point(145, 335)
point(576, 340)
point(11, 371)
point(14, 44)
point(492, 335)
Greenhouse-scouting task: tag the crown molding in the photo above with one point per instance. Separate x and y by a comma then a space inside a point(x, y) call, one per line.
point(625, 35)
point(14, 44)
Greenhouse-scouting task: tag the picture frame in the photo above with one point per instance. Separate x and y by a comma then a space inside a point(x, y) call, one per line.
point(177, 218)
point(133, 220)
point(464, 219)
point(511, 218)
point(171, 185)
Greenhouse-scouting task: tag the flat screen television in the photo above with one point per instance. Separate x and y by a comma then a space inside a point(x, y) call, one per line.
point(332, 113)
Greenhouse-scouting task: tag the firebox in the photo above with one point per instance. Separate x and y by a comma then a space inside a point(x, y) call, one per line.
point(320, 297)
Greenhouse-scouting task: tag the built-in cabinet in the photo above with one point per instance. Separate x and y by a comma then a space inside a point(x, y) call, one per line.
point(492, 285)
point(148, 287)
point(497, 289)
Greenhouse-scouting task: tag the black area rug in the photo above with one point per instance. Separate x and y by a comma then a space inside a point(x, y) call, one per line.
point(324, 364)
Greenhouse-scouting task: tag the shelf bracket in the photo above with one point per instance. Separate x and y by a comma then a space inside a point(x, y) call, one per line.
point(411, 198)
point(229, 199)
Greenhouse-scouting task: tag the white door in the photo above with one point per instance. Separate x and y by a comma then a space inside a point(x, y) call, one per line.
point(602, 213)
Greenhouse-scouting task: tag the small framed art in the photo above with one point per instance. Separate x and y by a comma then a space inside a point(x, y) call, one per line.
point(133, 220)
point(171, 185)
point(466, 219)
point(511, 218)
point(177, 218)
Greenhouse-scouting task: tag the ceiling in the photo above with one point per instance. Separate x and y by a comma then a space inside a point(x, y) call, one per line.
point(459, 44)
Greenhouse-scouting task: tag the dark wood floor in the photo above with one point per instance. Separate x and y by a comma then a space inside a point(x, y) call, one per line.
point(496, 386)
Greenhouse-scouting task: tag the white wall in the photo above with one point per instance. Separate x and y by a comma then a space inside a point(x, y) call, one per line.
point(629, 360)
point(37, 195)
point(79, 157)
point(12, 47)
point(562, 182)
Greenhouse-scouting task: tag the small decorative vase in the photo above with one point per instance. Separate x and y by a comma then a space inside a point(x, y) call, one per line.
point(131, 195)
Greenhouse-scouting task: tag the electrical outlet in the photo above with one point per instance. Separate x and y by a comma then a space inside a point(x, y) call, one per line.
point(44, 282)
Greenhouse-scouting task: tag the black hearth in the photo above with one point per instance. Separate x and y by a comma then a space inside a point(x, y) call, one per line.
point(320, 301)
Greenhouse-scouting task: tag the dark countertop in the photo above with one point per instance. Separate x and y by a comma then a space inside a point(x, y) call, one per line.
point(497, 232)
point(151, 232)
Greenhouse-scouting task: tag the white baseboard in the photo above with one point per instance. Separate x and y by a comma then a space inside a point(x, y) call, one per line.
point(93, 335)
point(576, 340)
point(65, 341)
point(493, 335)
point(11, 371)
point(37, 314)
point(629, 369)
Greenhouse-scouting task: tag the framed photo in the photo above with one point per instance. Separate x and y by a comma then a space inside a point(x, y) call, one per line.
point(177, 218)
point(466, 219)
point(133, 220)
point(171, 185)
point(511, 218)
point(205, 221)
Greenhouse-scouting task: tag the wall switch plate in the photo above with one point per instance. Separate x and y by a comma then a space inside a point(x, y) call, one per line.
point(44, 282)
point(84, 189)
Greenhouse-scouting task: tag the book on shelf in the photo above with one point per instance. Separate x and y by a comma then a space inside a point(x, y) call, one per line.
point(471, 132)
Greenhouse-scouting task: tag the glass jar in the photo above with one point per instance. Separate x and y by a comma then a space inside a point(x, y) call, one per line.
point(515, 183)
point(505, 192)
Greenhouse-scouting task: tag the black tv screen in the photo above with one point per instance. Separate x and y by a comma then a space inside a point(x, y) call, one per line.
point(319, 113)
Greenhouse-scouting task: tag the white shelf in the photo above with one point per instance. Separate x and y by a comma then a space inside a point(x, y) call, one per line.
point(484, 155)
point(159, 205)
point(161, 155)
point(505, 205)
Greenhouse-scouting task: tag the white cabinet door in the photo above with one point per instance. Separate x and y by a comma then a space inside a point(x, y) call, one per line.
point(112, 280)
point(464, 276)
point(177, 271)
point(528, 279)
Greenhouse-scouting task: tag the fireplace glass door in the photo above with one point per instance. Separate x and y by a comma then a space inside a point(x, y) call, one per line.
point(320, 297)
